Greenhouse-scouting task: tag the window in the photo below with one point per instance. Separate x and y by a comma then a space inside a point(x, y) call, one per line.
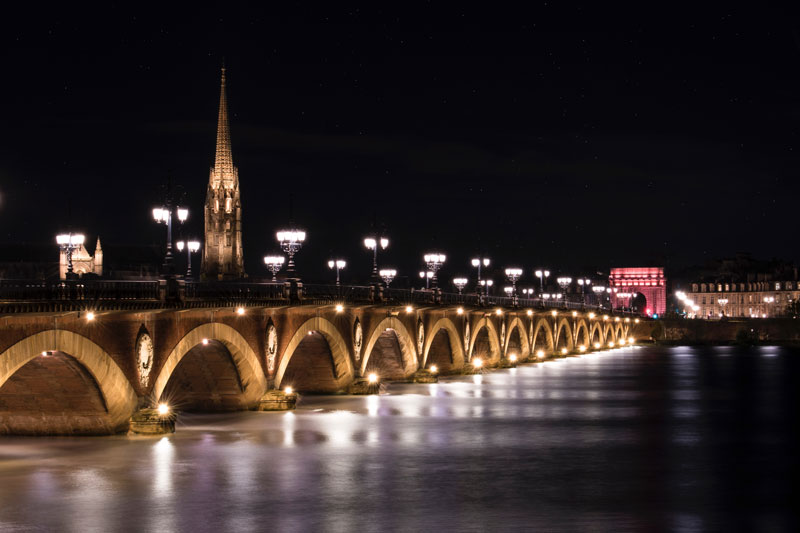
point(777, 285)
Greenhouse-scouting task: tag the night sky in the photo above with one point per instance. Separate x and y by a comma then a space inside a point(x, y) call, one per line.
point(574, 138)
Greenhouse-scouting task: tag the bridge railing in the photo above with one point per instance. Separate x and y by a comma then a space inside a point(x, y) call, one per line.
point(82, 290)
point(236, 292)
point(28, 295)
point(314, 294)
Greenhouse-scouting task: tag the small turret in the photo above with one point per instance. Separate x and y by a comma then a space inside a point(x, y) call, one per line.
point(98, 258)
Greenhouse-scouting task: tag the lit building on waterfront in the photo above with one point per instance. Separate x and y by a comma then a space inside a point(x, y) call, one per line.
point(756, 298)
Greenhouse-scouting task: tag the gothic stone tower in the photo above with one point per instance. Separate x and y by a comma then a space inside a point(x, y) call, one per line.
point(222, 254)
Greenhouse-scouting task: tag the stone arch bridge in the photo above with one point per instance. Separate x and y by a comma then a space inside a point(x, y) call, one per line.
point(75, 372)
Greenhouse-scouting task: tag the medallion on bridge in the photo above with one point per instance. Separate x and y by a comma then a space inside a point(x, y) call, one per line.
point(358, 339)
point(420, 337)
point(272, 346)
point(502, 335)
point(144, 356)
point(466, 337)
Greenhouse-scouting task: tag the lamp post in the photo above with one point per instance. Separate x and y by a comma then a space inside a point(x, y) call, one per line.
point(767, 300)
point(564, 282)
point(387, 275)
point(529, 293)
point(598, 291)
point(624, 296)
point(487, 283)
point(191, 246)
point(372, 243)
point(163, 215)
point(609, 290)
point(337, 264)
point(478, 262)
point(513, 274)
point(542, 275)
point(291, 240)
point(427, 277)
point(460, 283)
point(722, 302)
point(69, 242)
point(584, 282)
point(434, 262)
point(274, 264)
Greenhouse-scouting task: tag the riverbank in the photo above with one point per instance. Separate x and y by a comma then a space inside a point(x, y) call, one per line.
point(757, 331)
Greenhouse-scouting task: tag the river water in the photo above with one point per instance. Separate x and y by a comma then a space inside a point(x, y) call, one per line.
point(636, 439)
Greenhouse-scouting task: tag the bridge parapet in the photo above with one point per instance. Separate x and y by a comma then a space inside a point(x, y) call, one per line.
point(25, 296)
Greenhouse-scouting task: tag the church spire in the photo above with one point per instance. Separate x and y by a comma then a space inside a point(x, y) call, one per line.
point(223, 164)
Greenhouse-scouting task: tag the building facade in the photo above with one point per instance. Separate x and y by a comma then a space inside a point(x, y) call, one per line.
point(222, 253)
point(754, 298)
point(632, 284)
point(82, 261)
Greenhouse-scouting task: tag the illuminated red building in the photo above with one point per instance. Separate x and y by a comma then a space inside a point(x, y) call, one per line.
point(645, 288)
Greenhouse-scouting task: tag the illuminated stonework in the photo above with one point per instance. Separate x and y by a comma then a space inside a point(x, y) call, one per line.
point(222, 254)
point(647, 281)
point(272, 347)
point(358, 339)
point(144, 357)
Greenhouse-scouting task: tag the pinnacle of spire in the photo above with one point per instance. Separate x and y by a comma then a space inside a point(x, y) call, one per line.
point(98, 247)
point(223, 164)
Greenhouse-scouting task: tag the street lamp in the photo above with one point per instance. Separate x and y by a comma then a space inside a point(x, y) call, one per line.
point(564, 283)
point(542, 275)
point(434, 262)
point(584, 282)
point(598, 291)
point(274, 264)
point(427, 277)
point(722, 302)
point(372, 243)
point(163, 215)
point(529, 293)
point(191, 246)
point(69, 242)
point(767, 300)
point(513, 274)
point(487, 283)
point(460, 283)
point(338, 264)
point(387, 275)
point(478, 262)
point(291, 240)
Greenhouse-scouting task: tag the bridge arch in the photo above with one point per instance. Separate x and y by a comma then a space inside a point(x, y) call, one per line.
point(251, 375)
point(582, 337)
point(564, 338)
point(619, 331)
point(596, 333)
point(492, 335)
point(543, 336)
point(340, 354)
point(524, 346)
point(454, 338)
point(608, 333)
point(405, 341)
point(118, 395)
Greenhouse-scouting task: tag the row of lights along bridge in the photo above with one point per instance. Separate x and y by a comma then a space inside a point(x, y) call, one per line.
point(291, 241)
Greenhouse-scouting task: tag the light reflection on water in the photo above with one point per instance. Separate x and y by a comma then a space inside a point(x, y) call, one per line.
point(630, 439)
